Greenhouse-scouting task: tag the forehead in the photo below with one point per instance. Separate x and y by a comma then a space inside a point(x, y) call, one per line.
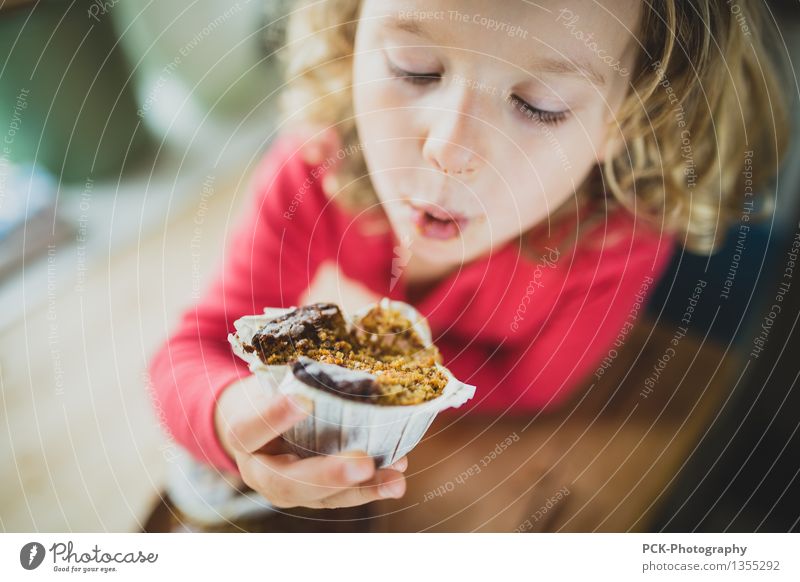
point(579, 36)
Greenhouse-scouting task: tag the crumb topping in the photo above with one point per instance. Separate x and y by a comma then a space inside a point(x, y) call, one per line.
point(383, 343)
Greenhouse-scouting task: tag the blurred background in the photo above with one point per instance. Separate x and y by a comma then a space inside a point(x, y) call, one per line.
point(128, 131)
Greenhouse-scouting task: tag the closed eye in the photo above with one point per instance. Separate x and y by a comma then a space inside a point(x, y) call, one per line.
point(412, 77)
point(535, 114)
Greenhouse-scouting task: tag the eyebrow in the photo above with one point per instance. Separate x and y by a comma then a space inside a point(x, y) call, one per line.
point(577, 67)
point(407, 25)
point(581, 68)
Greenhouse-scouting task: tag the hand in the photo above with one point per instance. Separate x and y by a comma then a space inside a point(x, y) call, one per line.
point(249, 423)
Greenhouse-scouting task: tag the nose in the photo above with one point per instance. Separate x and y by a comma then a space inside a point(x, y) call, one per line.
point(453, 137)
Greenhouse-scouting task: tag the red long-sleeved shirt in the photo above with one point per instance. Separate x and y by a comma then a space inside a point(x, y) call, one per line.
point(523, 332)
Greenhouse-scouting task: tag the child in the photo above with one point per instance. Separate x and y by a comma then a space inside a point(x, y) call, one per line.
point(518, 172)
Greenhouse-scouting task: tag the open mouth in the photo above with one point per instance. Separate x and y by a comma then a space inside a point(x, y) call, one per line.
point(436, 224)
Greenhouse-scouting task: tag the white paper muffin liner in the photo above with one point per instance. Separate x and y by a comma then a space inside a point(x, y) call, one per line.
point(337, 424)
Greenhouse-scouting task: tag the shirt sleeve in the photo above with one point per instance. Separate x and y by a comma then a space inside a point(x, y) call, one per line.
point(265, 265)
point(603, 297)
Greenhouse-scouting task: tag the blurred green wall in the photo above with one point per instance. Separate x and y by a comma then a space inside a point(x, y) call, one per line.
point(65, 99)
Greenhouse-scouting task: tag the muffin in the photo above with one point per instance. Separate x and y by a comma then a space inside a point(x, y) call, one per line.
point(376, 381)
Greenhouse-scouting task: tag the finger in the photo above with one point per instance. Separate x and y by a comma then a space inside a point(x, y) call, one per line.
point(400, 464)
point(287, 483)
point(254, 430)
point(387, 484)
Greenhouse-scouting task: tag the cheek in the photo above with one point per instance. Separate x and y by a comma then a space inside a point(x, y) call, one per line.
point(382, 119)
point(561, 158)
point(386, 147)
point(542, 176)
point(375, 95)
point(385, 129)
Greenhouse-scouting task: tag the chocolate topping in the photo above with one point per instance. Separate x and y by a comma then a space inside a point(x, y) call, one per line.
point(333, 378)
point(319, 325)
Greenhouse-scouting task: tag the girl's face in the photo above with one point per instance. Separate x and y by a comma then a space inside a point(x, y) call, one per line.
point(488, 116)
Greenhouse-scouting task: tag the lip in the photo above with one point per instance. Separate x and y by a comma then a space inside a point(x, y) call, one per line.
point(440, 213)
point(437, 223)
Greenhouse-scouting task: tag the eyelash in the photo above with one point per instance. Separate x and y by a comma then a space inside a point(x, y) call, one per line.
point(413, 78)
point(526, 109)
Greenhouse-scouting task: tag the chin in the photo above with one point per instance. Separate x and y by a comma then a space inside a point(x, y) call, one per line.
point(438, 252)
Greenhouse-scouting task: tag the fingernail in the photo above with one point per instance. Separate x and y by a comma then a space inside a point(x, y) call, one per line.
point(358, 471)
point(400, 465)
point(391, 489)
point(301, 404)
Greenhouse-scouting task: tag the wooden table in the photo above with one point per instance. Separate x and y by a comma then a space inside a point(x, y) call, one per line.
point(602, 463)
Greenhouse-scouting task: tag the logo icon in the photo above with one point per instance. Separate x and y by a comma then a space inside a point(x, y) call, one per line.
point(31, 555)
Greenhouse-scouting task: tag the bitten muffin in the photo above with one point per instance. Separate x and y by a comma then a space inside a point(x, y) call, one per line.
point(379, 358)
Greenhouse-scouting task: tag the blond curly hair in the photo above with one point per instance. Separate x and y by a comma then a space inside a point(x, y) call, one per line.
point(704, 97)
